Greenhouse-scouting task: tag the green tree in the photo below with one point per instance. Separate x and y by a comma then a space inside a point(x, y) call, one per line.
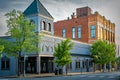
point(1, 49)
point(62, 53)
point(102, 52)
point(118, 62)
point(22, 32)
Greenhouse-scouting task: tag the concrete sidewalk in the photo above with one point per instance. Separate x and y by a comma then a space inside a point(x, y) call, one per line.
point(50, 75)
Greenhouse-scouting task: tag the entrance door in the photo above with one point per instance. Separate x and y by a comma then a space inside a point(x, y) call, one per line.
point(31, 65)
point(46, 65)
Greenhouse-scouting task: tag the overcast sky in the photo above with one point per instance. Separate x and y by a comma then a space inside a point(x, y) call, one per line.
point(61, 9)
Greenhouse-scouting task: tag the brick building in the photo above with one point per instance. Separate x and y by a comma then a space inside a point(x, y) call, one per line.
point(86, 27)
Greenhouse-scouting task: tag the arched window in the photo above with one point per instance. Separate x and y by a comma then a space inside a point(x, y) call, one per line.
point(43, 48)
point(49, 26)
point(5, 63)
point(44, 25)
point(51, 49)
point(47, 48)
point(92, 31)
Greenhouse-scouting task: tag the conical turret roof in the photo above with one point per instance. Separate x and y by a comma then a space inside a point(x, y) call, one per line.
point(37, 8)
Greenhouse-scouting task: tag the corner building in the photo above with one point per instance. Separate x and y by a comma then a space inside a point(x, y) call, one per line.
point(42, 61)
point(86, 27)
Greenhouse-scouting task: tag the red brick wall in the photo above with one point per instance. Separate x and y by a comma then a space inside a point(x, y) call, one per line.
point(92, 20)
point(85, 22)
point(68, 24)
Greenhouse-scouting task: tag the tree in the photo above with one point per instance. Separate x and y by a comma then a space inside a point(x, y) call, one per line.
point(118, 62)
point(62, 53)
point(102, 52)
point(23, 36)
point(1, 49)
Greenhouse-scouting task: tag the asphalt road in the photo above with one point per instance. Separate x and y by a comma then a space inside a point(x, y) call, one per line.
point(98, 76)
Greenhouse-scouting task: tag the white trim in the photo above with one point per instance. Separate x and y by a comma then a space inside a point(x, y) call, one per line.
point(64, 39)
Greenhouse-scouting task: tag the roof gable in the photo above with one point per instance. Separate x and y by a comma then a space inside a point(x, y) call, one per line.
point(37, 8)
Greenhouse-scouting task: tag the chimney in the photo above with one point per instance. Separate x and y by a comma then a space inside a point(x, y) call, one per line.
point(84, 11)
point(68, 18)
point(73, 16)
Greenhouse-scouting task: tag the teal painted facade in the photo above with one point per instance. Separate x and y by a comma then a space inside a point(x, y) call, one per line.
point(42, 62)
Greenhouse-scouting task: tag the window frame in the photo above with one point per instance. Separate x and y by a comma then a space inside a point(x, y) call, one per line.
point(73, 32)
point(92, 31)
point(5, 63)
point(79, 32)
point(49, 27)
point(64, 33)
point(69, 66)
point(44, 25)
point(77, 64)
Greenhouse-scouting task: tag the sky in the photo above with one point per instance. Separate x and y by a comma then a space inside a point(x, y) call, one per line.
point(61, 9)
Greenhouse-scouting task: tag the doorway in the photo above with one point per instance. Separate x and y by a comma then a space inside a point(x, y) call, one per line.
point(47, 64)
point(31, 65)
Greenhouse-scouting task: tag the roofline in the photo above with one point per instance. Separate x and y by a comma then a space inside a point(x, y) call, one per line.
point(38, 14)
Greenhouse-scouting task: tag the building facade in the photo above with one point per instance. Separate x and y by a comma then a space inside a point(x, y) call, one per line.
point(42, 62)
point(86, 27)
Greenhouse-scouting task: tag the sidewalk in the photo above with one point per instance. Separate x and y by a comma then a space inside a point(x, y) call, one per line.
point(53, 74)
point(50, 75)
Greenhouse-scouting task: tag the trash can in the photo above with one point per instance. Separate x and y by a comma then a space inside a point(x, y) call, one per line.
point(56, 71)
point(60, 71)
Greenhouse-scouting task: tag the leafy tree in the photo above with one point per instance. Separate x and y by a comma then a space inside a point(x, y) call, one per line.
point(9, 47)
point(1, 49)
point(102, 52)
point(62, 52)
point(23, 36)
point(118, 62)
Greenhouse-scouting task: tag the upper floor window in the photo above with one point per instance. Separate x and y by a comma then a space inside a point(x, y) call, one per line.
point(51, 49)
point(79, 32)
point(92, 31)
point(5, 61)
point(64, 33)
point(44, 25)
point(43, 48)
point(73, 33)
point(47, 49)
point(49, 26)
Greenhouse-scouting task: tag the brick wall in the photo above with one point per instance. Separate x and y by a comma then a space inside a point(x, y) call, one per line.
point(69, 24)
point(105, 29)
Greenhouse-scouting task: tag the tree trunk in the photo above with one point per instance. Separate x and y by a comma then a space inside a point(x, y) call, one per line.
point(19, 63)
point(66, 69)
point(100, 67)
point(104, 67)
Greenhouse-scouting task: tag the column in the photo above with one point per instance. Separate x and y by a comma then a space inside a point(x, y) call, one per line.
point(81, 65)
point(38, 65)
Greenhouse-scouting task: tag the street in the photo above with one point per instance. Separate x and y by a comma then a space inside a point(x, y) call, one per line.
point(98, 76)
